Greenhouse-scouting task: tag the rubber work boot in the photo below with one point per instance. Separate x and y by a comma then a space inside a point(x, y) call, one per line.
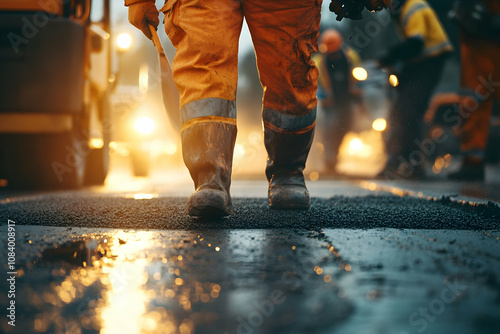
point(287, 155)
point(471, 169)
point(208, 154)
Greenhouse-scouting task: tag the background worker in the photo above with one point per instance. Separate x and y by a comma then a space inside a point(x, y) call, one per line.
point(421, 58)
point(479, 27)
point(336, 92)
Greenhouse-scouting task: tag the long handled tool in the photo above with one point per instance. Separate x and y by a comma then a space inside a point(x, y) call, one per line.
point(168, 89)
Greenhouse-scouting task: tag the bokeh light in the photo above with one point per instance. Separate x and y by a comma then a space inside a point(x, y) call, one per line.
point(393, 80)
point(124, 41)
point(379, 124)
point(359, 74)
point(144, 125)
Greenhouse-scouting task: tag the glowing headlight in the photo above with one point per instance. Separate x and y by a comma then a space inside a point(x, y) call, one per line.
point(124, 41)
point(359, 73)
point(144, 125)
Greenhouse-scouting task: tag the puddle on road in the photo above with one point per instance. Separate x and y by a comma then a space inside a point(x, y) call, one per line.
point(109, 281)
point(249, 281)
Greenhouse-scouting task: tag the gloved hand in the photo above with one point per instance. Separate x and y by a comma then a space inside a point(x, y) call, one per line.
point(376, 5)
point(352, 8)
point(141, 14)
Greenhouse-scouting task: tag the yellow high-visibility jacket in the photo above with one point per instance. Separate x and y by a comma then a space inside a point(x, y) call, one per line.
point(418, 19)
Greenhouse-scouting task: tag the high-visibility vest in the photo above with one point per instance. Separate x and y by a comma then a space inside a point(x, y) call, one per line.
point(419, 20)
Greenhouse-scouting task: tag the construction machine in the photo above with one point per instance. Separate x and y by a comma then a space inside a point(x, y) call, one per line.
point(56, 79)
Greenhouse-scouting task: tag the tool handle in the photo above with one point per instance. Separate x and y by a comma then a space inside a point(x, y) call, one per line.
point(156, 40)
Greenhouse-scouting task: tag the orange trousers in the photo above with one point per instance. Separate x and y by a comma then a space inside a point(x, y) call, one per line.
point(481, 77)
point(205, 67)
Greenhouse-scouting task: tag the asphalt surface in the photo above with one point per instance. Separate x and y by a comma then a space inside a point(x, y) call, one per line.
point(366, 258)
point(250, 213)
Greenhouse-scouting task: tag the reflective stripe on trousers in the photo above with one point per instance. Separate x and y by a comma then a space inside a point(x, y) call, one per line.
point(206, 35)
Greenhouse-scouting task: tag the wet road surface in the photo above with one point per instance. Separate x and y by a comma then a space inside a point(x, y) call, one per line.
point(363, 260)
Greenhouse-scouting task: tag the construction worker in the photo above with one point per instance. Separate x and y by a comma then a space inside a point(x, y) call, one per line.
point(419, 60)
point(205, 34)
point(285, 35)
point(479, 27)
point(336, 91)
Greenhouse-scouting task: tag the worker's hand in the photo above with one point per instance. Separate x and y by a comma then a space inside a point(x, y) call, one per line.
point(143, 13)
point(352, 8)
point(443, 99)
point(373, 5)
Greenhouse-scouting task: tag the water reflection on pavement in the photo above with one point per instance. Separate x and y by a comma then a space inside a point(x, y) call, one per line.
point(116, 281)
point(82, 280)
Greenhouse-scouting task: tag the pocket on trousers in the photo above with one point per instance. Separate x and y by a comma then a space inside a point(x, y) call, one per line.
point(170, 9)
point(304, 70)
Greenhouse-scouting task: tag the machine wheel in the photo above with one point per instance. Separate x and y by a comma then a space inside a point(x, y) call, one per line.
point(97, 165)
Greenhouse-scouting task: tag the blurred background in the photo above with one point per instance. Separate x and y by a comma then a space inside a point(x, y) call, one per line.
point(143, 143)
point(362, 150)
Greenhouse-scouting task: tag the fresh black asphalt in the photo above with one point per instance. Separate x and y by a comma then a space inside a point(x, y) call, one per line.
point(363, 212)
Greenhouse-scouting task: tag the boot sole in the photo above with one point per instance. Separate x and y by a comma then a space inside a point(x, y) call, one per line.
point(289, 198)
point(209, 203)
point(208, 211)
